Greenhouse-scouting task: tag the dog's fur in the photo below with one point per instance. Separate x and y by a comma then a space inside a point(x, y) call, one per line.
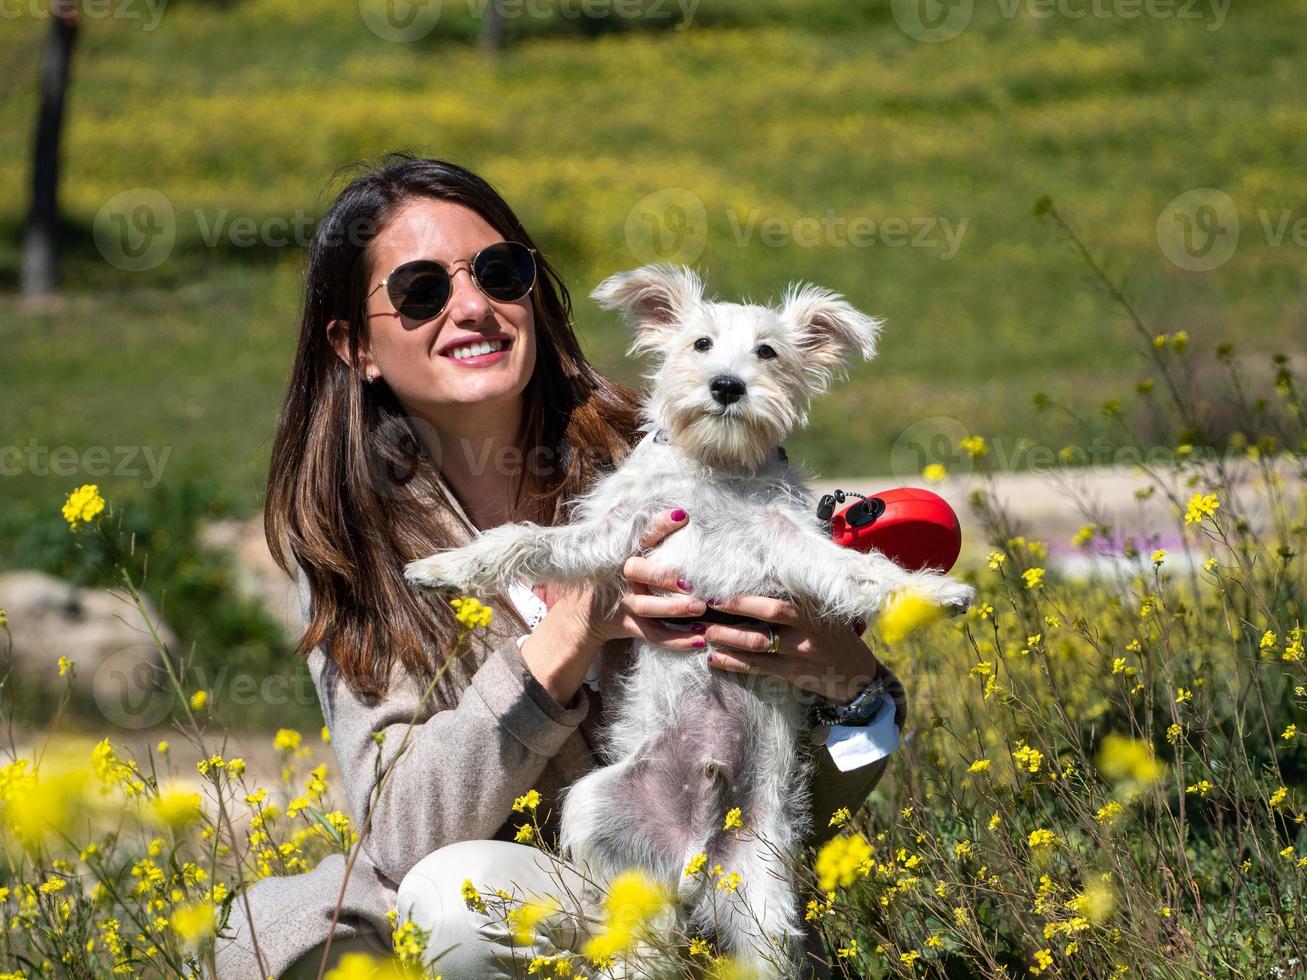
point(686, 742)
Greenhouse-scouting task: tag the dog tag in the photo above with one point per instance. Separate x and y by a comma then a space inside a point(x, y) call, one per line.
point(819, 734)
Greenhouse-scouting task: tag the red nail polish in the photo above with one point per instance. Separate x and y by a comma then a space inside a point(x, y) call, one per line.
point(698, 641)
point(699, 628)
point(679, 515)
point(683, 585)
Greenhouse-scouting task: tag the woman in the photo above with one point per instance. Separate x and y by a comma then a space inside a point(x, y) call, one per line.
point(438, 390)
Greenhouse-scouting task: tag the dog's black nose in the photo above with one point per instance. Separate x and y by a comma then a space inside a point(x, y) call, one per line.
point(726, 389)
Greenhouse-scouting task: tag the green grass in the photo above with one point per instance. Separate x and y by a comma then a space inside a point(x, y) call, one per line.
point(782, 108)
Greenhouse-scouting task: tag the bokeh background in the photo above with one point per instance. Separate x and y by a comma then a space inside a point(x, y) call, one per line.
point(893, 151)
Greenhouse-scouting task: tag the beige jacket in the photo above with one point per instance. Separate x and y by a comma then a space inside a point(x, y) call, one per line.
point(457, 778)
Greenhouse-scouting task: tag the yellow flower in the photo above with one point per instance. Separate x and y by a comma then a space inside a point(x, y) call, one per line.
point(841, 861)
point(1096, 902)
point(699, 947)
point(840, 817)
point(633, 901)
point(472, 613)
point(1042, 838)
point(194, 923)
point(1106, 814)
point(729, 882)
point(1028, 758)
point(980, 765)
point(906, 614)
point(286, 740)
point(524, 919)
point(176, 808)
point(529, 801)
point(1290, 733)
point(525, 834)
point(83, 506)
point(696, 864)
point(1083, 536)
point(361, 966)
point(471, 898)
point(162, 747)
point(733, 821)
point(1043, 960)
point(1034, 578)
point(65, 665)
point(995, 560)
point(934, 473)
point(1159, 556)
point(974, 446)
point(1202, 787)
point(198, 700)
point(1278, 796)
point(1200, 506)
point(4, 619)
point(1128, 763)
point(408, 941)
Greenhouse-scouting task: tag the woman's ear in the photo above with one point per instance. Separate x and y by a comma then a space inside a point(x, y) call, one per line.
point(338, 337)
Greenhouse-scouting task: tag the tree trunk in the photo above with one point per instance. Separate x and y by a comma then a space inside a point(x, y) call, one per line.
point(492, 28)
point(40, 244)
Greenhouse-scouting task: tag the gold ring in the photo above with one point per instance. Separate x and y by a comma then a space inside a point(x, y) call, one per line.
point(775, 643)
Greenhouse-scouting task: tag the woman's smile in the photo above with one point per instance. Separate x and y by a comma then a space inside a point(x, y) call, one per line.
point(477, 351)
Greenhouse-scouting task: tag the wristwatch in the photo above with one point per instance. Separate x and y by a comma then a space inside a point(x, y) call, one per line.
point(860, 711)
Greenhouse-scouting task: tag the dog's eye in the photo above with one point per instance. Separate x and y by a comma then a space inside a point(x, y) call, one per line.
point(703, 343)
point(765, 352)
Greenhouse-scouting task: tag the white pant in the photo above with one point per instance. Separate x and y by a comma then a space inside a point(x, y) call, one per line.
point(465, 943)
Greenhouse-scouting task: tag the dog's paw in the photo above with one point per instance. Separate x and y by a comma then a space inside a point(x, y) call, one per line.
point(955, 597)
point(441, 571)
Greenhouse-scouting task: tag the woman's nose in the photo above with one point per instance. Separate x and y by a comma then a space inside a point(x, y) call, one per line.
point(466, 302)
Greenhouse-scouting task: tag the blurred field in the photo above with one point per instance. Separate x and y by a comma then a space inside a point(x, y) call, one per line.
point(780, 108)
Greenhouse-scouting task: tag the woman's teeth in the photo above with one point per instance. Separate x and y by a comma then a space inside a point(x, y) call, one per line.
point(473, 350)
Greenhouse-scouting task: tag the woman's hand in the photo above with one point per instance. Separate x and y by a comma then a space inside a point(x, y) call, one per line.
point(638, 612)
point(828, 659)
point(575, 627)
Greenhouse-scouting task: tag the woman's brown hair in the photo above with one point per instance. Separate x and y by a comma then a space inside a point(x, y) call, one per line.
point(353, 495)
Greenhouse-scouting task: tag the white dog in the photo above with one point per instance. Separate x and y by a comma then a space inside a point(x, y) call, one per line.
point(686, 743)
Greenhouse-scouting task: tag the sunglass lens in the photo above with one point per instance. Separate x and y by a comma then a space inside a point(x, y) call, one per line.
point(419, 291)
point(506, 271)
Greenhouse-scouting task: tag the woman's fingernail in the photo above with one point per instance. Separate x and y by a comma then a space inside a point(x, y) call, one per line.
point(698, 641)
point(683, 585)
point(699, 628)
point(679, 515)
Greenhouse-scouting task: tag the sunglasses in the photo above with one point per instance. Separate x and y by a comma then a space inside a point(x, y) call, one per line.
point(420, 290)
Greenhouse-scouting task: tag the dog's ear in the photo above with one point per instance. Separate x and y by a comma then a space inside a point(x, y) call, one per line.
point(652, 299)
point(828, 331)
